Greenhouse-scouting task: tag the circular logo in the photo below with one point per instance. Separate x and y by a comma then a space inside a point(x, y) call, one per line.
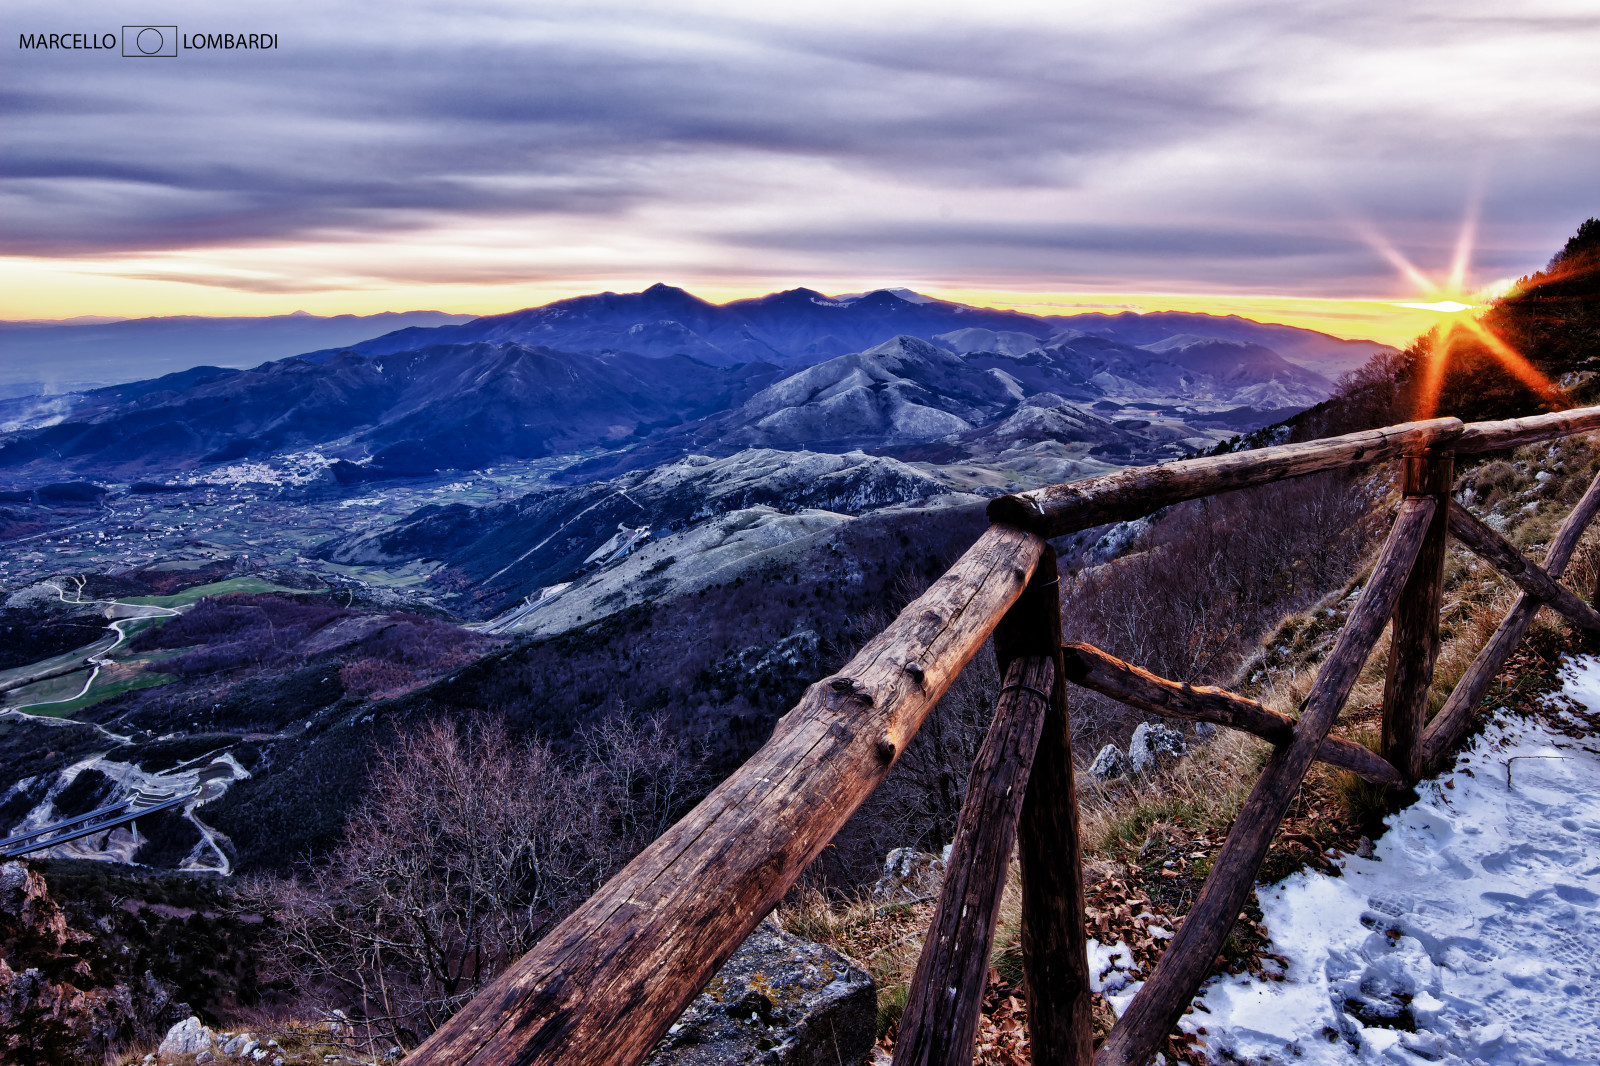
point(150, 40)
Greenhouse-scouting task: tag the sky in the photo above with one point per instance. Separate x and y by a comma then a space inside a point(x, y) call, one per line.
point(1283, 161)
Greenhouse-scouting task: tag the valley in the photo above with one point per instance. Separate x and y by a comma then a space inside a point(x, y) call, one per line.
point(560, 515)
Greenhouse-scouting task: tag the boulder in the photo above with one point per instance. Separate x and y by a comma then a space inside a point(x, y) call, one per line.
point(1109, 764)
point(780, 1000)
point(1151, 744)
point(909, 874)
point(188, 1037)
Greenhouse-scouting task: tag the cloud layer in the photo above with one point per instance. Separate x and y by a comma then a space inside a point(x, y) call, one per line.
point(1232, 145)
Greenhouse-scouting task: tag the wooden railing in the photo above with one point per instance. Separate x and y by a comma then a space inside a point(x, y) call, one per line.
point(606, 983)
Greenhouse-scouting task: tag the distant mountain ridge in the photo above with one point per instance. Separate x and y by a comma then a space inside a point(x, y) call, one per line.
point(802, 327)
point(59, 356)
point(798, 326)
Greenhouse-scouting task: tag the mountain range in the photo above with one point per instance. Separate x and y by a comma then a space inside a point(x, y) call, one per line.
point(802, 326)
point(646, 377)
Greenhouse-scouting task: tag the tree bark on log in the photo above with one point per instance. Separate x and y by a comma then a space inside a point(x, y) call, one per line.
point(1092, 668)
point(1055, 940)
point(606, 983)
point(940, 1023)
point(1481, 437)
point(1056, 510)
point(1456, 715)
point(1534, 580)
point(1161, 1002)
point(1414, 640)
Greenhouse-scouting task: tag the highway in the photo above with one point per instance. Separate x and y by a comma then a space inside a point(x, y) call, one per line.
point(137, 804)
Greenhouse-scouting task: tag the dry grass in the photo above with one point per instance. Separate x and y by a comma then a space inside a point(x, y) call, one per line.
point(297, 1041)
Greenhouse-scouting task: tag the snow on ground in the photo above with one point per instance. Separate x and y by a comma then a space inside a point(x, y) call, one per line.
point(1472, 935)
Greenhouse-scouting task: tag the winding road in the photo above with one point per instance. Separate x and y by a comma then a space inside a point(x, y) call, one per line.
point(155, 793)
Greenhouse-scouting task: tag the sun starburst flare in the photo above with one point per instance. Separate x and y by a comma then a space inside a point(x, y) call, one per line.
point(1460, 322)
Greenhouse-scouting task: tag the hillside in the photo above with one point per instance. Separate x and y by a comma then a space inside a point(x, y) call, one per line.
point(443, 406)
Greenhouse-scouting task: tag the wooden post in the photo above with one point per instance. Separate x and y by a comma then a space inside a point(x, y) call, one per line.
point(1414, 644)
point(1055, 945)
point(940, 1024)
point(1161, 1002)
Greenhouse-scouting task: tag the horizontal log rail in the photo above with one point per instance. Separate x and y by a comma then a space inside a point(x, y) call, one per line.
point(1500, 553)
point(1479, 437)
point(608, 981)
point(1088, 666)
point(1056, 510)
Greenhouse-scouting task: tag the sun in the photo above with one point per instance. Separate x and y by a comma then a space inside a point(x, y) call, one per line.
point(1448, 307)
point(1458, 319)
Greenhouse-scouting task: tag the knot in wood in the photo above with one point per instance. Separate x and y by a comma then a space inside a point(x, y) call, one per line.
point(915, 671)
point(886, 748)
point(850, 686)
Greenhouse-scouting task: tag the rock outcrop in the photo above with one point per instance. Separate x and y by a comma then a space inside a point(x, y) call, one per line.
point(53, 1006)
point(1151, 747)
point(188, 1037)
point(779, 1001)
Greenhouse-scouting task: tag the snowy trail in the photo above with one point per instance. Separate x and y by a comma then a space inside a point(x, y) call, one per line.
point(1471, 935)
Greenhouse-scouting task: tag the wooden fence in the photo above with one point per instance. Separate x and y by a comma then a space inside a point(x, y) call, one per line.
point(606, 983)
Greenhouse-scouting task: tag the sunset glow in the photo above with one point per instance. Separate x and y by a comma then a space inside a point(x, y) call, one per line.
point(30, 289)
point(1456, 326)
point(1449, 307)
point(489, 157)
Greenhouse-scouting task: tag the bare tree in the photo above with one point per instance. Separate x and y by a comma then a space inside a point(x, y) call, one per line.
point(468, 846)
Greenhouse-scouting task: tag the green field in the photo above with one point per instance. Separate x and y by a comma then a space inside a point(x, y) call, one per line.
point(97, 692)
point(63, 659)
point(217, 588)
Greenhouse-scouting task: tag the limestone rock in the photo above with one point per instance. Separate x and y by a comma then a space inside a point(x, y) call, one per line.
point(188, 1037)
point(50, 994)
point(1150, 744)
point(909, 874)
point(1109, 764)
point(23, 895)
point(779, 1001)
